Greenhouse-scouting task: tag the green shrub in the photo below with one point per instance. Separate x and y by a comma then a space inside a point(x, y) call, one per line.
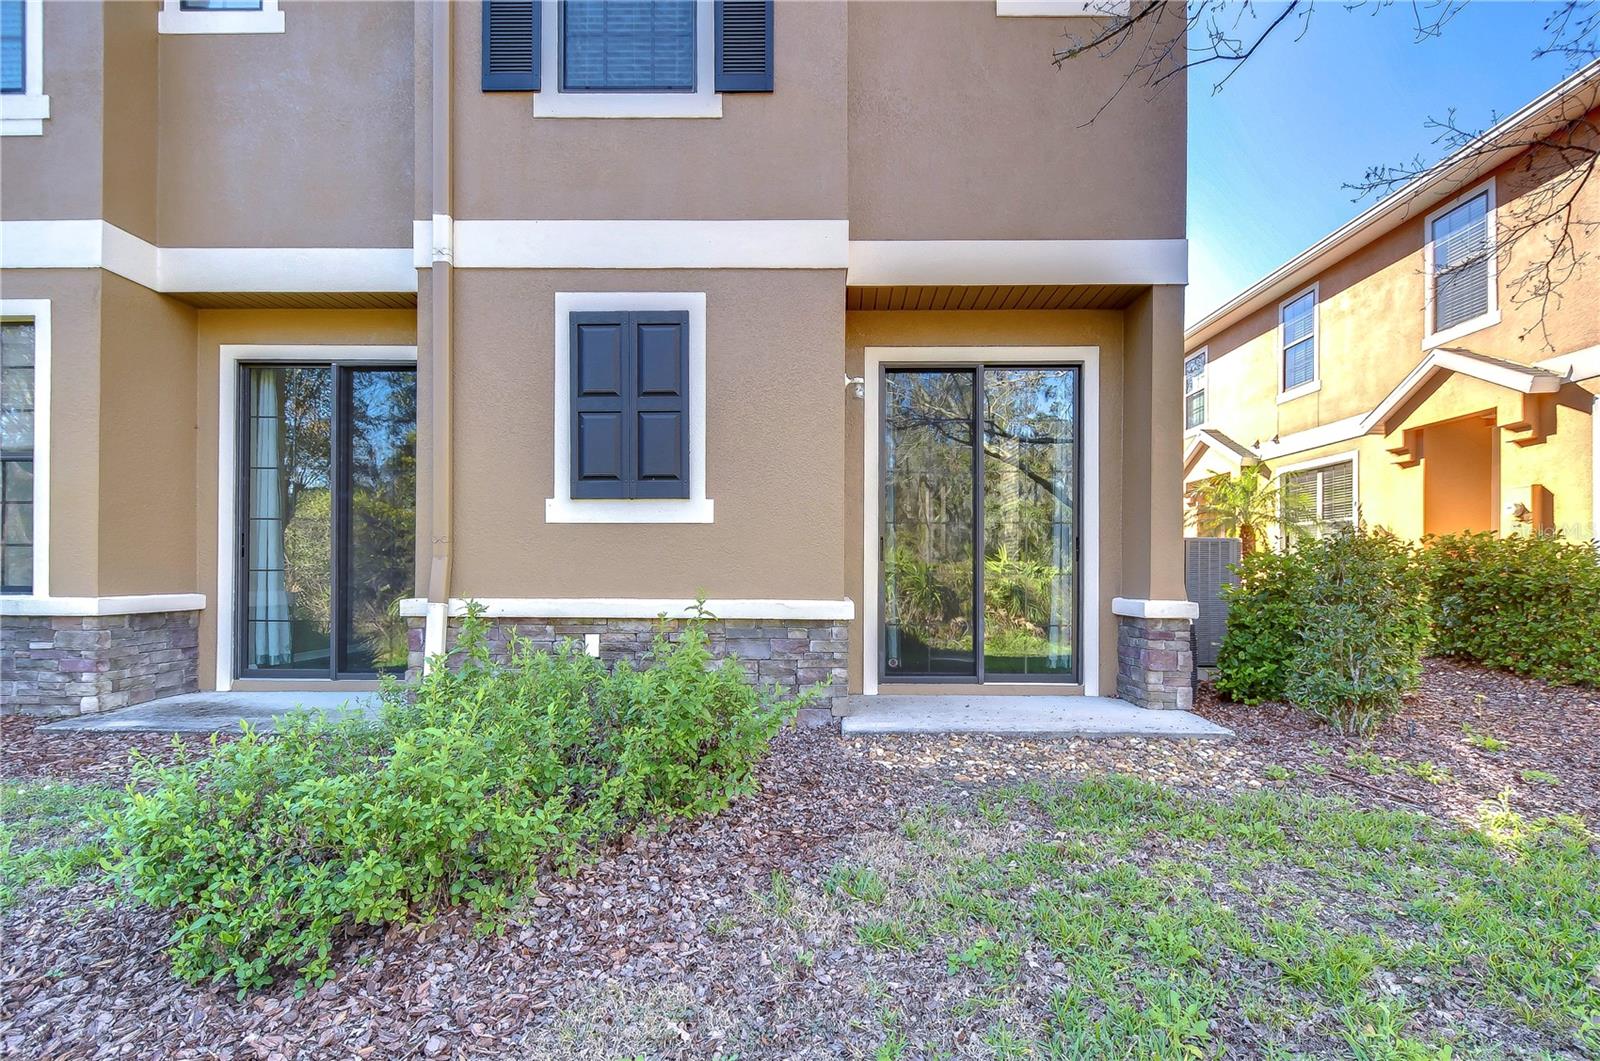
point(1337, 626)
point(1362, 631)
point(270, 847)
point(1529, 604)
point(1264, 619)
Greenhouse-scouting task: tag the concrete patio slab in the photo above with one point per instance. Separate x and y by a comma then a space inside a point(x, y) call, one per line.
point(1021, 716)
point(217, 712)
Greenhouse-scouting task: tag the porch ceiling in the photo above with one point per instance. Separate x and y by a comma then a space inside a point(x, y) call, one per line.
point(1011, 296)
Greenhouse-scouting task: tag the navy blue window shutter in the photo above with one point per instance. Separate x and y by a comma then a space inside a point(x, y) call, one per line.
point(744, 45)
point(511, 45)
point(660, 392)
point(600, 399)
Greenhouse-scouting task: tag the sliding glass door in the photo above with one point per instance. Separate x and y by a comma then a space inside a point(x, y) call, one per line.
point(328, 518)
point(978, 462)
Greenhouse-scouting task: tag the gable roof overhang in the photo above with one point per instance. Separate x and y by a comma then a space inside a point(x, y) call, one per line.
point(1572, 98)
point(1524, 379)
point(1209, 439)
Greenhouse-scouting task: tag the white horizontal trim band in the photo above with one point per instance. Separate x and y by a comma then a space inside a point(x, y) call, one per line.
point(144, 604)
point(94, 244)
point(1134, 608)
point(640, 608)
point(637, 244)
point(959, 262)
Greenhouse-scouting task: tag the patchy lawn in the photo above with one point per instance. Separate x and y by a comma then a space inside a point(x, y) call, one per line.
point(1284, 893)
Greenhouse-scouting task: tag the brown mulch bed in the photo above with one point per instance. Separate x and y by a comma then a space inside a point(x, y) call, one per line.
point(660, 915)
point(28, 752)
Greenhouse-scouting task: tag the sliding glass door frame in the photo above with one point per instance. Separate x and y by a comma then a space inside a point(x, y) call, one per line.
point(339, 480)
point(979, 676)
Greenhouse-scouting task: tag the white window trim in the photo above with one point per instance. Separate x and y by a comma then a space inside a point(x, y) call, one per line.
point(703, 102)
point(38, 311)
point(228, 469)
point(1350, 457)
point(871, 488)
point(1314, 384)
point(1205, 378)
point(24, 113)
point(1491, 316)
point(697, 507)
point(174, 19)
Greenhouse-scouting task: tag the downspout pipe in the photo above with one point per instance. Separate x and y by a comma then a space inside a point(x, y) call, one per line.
point(440, 317)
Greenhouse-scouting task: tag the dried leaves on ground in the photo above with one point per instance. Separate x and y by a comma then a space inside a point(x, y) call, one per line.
point(743, 933)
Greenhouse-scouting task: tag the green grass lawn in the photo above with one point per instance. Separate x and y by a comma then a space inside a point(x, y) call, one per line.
point(1117, 919)
point(49, 833)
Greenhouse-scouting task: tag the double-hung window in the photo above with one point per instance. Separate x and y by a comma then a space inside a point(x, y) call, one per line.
point(1320, 500)
point(17, 361)
point(220, 16)
point(628, 45)
point(1297, 343)
point(1461, 267)
point(23, 104)
point(1194, 390)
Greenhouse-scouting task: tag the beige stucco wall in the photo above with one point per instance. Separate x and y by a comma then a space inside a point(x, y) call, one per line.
point(770, 156)
point(131, 110)
point(962, 128)
point(298, 139)
point(216, 327)
point(1101, 329)
point(147, 441)
point(774, 424)
point(57, 174)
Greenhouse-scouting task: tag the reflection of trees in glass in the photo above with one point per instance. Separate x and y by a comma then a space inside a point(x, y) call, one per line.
point(306, 424)
point(383, 485)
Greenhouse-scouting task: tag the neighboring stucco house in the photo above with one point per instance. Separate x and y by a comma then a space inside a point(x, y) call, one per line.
point(1409, 368)
point(323, 319)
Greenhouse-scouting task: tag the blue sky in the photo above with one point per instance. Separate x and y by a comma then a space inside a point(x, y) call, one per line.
point(1270, 153)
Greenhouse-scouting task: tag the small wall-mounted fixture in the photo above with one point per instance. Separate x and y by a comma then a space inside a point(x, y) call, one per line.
point(591, 645)
point(858, 385)
point(1520, 512)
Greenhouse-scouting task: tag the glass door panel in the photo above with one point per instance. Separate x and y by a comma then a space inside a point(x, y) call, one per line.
point(928, 547)
point(381, 512)
point(288, 570)
point(1030, 481)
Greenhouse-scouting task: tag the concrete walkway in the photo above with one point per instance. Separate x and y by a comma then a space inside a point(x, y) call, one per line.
point(1021, 716)
point(214, 712)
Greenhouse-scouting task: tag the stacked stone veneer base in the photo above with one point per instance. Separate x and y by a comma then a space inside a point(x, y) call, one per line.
point(80, 665)
point(1155, 662)
point(791, 654)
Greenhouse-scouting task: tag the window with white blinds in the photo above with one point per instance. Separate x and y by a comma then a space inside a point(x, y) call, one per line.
point(1323, 499)
point(627, 45)
point(1297, 328)
point(1194, 390)
point(1462, 248)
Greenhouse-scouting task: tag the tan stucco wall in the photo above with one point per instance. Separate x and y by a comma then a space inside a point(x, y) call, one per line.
point(1102, 329)
point(57, 174)
point(298, 139)
point(147, 441)
point(774, 424)
point(961, 128)
point(74, 296)
point(216, 327)
point(770, 156)
point(131, 109)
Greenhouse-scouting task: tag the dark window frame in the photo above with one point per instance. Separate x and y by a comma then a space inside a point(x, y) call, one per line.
point(217, 5)
point(339, 485)
point(26, 456)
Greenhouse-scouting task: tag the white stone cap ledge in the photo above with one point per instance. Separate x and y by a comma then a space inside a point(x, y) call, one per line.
point(1135, 608)
point(640, 608)
point(142, 604)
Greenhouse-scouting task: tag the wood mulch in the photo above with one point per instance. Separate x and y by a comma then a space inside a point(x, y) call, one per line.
point(654, 918)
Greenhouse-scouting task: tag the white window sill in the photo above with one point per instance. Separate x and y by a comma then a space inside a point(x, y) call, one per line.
point(1465, 328)
point(23, 115)
point(677, 510)
point(175, 20)
point(1062, 8)
point(1300, 391)
point(554, 104)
